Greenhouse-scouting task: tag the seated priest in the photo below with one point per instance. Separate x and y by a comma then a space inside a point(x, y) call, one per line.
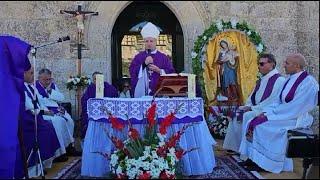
point(147, 66)
point(265, 93)
point(265, 139)
point(109, 91)
point(60, 125)
point(51, 96)
point(47, 136)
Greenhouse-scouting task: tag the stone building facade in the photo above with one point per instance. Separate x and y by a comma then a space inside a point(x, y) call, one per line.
point(285, 26)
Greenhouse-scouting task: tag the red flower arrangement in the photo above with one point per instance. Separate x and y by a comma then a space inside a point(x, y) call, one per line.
point(148, 157)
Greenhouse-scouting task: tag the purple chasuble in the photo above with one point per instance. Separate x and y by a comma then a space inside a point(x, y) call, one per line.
point(268, 90)
point(109, 91)
point(159, 59)
point(294, 87)
point(13, 62)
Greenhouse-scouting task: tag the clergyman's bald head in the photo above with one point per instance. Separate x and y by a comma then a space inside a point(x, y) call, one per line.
point(298, 59)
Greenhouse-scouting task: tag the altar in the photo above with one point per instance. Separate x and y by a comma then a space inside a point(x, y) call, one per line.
point(197, 162)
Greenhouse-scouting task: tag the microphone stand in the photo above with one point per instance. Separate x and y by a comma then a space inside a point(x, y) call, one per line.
point(149, 72)
point(36, 148)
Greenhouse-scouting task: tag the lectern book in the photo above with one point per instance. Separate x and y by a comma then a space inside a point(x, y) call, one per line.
point(175, 85)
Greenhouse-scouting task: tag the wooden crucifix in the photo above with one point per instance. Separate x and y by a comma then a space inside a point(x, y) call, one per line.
point(80, 16)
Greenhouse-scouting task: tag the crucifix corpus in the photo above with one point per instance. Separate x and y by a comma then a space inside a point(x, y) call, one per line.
point(80, 16)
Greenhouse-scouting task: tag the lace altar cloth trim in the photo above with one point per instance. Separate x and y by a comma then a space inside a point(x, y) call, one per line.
point(134, 109)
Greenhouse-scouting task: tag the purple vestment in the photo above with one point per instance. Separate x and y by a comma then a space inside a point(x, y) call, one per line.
point(109, 91)
point(44, 93)
point(159, 59)
point(268, 89)
point(42, 90)
point(47, 137)
point(293, 89)
point(13, 62)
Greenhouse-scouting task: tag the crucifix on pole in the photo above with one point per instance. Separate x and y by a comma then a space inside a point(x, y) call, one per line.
point(80, 16)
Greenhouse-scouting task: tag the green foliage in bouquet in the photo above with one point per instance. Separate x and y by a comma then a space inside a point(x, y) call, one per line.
point(75, 82)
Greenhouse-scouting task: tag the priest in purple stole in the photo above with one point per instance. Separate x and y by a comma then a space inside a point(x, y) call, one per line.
point(265, 93)
point(147, 66)
point(109, 91)
point(266, 138)
point(47, 137)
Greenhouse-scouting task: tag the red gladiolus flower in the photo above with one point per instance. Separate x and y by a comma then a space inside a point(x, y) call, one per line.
point(117, 142)
point(168, 119)
point(116, 123)
point(151, 114)
point(164, 175)
point(173, 140)
point(179, 153)
point(161, 151)
point(133, 134)
point(145, 175)
point(163, 130)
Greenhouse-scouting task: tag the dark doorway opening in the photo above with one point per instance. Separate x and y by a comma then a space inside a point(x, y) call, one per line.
point(126, 43)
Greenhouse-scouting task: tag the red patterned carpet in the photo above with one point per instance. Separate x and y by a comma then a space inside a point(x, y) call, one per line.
point(227, 168)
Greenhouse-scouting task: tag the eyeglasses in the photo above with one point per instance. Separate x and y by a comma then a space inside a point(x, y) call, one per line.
point(262, 63)
point(126, 86)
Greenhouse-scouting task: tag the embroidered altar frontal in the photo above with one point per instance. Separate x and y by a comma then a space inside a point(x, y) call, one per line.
point(134, 109)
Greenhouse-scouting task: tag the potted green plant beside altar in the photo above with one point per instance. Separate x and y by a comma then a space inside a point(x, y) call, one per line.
point(153, 156)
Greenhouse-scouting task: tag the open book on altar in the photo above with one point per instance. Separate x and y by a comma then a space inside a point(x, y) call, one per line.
point(172, 85)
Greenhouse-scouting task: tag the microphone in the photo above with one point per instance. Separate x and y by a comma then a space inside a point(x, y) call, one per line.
point(149, 54)
point(66, 38)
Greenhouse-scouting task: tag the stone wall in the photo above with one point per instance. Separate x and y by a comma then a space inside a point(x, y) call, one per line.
point(284, 27)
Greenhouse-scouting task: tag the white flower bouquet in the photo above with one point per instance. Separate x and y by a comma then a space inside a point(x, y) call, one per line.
point(75, 82)
point(221, 117)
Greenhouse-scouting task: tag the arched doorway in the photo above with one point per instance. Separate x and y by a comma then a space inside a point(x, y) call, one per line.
point(124, 41)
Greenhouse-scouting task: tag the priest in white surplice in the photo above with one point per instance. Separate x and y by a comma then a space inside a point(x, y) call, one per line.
point(50, 96)
point(265, 139)
point(265, 93)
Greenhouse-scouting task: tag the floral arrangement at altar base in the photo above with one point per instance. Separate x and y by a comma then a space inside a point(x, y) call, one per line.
point(219, 120)
point(75, 82)
point(152, 157)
